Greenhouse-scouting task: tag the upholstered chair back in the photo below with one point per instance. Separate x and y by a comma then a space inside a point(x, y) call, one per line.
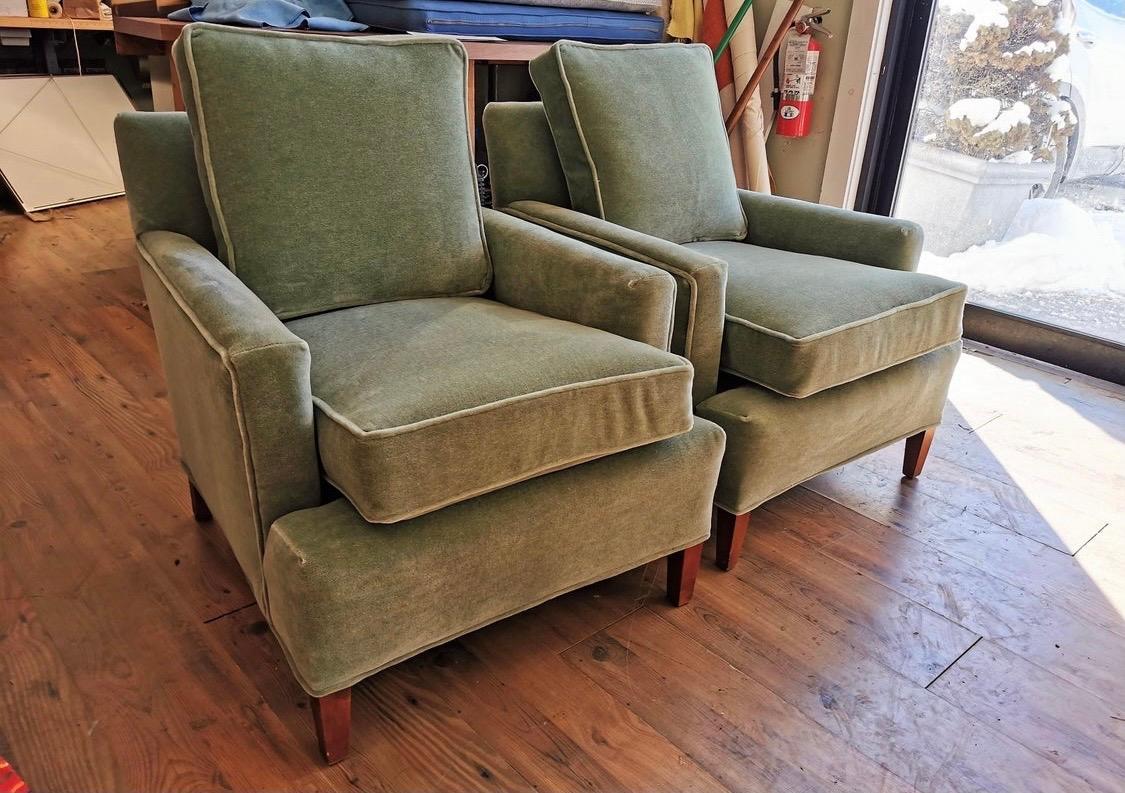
point(332, 169)
point(640, 137)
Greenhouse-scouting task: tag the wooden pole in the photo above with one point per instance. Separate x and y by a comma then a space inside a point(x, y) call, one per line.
point(763, 63)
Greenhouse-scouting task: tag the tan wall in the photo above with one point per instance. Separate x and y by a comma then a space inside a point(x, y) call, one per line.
point(797, 164)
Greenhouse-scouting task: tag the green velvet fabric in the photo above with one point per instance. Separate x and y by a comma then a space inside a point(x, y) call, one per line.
point(160, 176)
point(556, 276)
point(818, 230)
point(522, 162)
point(349, 598)
point(639, 132)
point(774, 442)
point(701, 282)
point(239, 386)
point(423, 403)
point(798, 324)
point(336, 172)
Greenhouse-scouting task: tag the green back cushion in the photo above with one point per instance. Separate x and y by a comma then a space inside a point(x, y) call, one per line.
point(639, 131)
point(337, 170)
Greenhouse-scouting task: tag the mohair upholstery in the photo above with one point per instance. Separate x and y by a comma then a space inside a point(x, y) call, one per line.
point(461, 396)
point(159, 171)
point(701, 281)
point(318, 213)
point(522, 162)
point(775, 442)
point(349, 598)
point(556, 276)
point(238, 383)
point(639, 132)
point(345, 597)
point(818, 230)
point(857, 396)
point(798, 324)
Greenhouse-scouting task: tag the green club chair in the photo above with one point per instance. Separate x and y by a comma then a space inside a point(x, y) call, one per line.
point(409, 416)
point(813, 341)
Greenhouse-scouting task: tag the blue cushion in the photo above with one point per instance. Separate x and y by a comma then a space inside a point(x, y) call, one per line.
point(508, 21)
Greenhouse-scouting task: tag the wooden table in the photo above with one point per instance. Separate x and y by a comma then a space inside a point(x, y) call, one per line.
point(154, 36)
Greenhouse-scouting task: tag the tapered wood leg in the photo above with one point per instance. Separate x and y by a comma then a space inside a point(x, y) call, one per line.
point(683, 567)
point(333, 717)
point(730, 531)
point(917, 447)
point(199, 508)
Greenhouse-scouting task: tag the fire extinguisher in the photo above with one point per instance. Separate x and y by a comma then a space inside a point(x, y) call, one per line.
point(798, 78)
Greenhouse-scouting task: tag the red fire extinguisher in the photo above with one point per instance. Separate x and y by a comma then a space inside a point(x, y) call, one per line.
point(798, 80)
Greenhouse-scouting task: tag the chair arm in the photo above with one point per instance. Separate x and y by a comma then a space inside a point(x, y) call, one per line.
point(701, 282)
point(805, 227)
point(238, 382)
point(553, 275)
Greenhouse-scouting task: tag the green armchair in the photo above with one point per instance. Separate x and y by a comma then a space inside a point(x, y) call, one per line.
point(813, 341)
point(409, 416)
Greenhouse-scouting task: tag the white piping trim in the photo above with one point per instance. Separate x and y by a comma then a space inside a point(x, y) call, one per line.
point(521, 477)
point(578, 129)
point(693, 284)
point(205, 146)
point(226, 359)
point(212, 185)
point(388, 432)
point(805, 395)
point(797, 341)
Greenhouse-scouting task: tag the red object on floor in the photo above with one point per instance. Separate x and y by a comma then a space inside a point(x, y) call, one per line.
point(10, 781)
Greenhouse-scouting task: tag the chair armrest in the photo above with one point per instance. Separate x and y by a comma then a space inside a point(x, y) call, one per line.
point(239, 385)
point(701, 282)
point(805, 227)
point(554, 275)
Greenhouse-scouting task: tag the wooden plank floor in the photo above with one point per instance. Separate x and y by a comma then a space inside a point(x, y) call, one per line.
point(961, 632)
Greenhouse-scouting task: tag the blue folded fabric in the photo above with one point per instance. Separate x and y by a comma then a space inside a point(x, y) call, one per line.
point(508, 21)
point(331, 15)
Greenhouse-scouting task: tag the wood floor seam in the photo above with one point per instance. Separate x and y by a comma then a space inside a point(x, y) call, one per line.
point(954, 662)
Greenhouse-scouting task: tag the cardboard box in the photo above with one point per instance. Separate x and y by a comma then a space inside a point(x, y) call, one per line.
point(81, 9)
point(147, 8)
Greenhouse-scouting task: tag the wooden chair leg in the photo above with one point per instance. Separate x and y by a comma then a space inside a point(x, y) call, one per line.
point(683, 567)
point(199, 508)
point(917, 447)
point(730, 531)
point(333, 717)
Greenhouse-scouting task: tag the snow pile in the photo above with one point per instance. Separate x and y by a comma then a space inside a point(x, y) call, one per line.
point(1059, 70)
point(1018, 113)
point(1032, 48)
point(983, 12)
point(978, 112)
point(986, 113)
point(1052, 245)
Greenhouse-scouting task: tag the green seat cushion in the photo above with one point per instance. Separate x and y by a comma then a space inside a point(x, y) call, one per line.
point(348, 599)
point(423, 403)
point(774, 442)
point(337, 170)
point(639, 132)
point(798, 324)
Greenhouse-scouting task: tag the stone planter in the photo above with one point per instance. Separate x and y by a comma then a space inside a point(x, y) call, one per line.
point(962, 201)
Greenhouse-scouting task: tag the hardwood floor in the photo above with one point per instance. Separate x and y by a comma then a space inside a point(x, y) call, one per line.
point(959, 632)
